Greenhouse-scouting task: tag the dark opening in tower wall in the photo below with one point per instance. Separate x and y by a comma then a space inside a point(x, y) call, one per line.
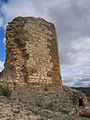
point(81, 102)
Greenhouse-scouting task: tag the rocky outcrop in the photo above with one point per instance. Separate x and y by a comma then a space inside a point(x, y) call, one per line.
point(31, 53)
point(31, 102)
point(54, 98)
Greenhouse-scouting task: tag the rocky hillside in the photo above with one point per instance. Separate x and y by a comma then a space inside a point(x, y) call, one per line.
point(39, 103)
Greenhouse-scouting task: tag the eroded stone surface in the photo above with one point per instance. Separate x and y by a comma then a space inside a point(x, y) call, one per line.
point(30, 102)
point(31, 52)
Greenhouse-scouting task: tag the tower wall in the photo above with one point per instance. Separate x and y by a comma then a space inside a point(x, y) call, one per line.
point(32, 52)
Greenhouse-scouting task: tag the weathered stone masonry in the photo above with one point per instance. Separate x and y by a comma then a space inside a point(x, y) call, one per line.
point(31, 52)
point(32, 58)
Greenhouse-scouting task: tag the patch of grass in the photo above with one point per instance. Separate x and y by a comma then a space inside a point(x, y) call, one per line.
point(50, 106)
point(39, 104)
point(5, 90)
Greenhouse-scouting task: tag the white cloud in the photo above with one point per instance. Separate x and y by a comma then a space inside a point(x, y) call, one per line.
point(78, 72)
point(80, 54)
point(1, 21)
point(24, 8)
point(1, 66)
point(4, 40)
point(81, 44)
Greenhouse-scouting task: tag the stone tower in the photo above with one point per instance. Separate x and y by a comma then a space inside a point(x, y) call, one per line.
point(31, 52)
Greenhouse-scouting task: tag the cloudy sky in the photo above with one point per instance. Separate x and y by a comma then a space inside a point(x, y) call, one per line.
point(72, 21)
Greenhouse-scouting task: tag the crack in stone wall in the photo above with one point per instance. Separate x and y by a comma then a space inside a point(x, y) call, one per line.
point(31, 52)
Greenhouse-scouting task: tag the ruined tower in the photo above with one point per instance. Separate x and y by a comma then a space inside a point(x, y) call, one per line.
point(31, 52)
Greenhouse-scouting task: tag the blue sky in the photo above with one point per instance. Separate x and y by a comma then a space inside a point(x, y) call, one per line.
point(72, 22)
point(2, 33)
point(2, 44)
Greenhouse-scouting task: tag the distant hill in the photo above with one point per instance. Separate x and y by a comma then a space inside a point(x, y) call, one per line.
point(85, 90)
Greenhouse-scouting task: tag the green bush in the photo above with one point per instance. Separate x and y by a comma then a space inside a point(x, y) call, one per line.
point(5, 90)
